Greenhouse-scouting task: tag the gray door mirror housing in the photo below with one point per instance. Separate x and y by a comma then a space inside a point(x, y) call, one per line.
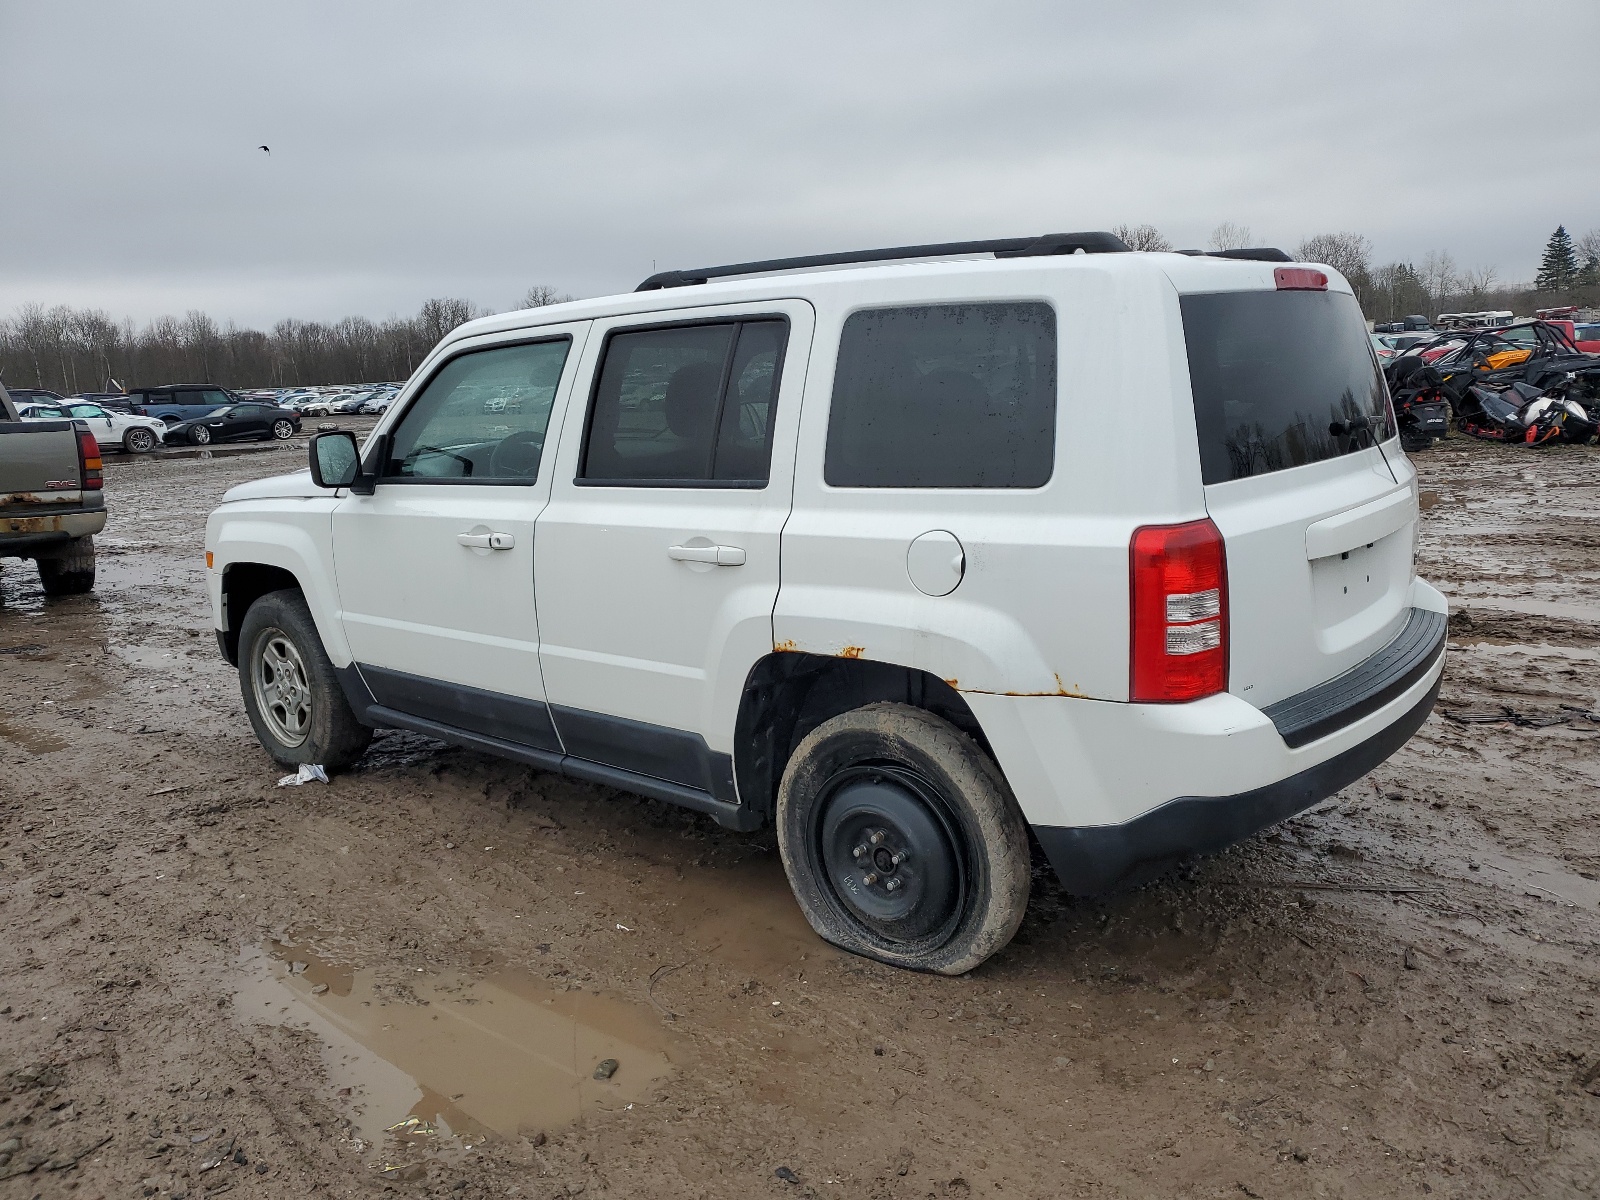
point(335, 459)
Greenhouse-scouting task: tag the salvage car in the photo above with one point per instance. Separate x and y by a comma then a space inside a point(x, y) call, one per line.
point(52, 499)
point(844, 553)
point(238, 423)
point(124, 431)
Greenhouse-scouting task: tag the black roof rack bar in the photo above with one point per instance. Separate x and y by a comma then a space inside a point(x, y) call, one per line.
point(1253, 253)
point(1023, 247)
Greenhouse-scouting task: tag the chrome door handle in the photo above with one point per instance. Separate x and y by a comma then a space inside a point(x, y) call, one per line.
point(721, 556)
point(487, 541)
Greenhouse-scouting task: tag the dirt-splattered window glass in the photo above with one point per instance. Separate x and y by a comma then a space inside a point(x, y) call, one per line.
point(945, 396)
point(482, 418)
point(686, 405)
point(1280, 379)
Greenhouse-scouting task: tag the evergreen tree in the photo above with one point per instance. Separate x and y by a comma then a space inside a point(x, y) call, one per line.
point(1559, 267)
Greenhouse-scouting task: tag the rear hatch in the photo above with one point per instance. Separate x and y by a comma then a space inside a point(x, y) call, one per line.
point(1315, 501)
point(39, 465)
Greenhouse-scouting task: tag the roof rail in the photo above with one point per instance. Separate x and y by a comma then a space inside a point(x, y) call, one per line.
point(1254, 253)
point(1023, 247)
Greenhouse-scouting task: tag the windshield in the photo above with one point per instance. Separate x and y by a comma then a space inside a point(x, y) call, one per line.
point(1280, 379)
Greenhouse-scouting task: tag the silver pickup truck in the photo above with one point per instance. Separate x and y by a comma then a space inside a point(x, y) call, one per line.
point(51, 503)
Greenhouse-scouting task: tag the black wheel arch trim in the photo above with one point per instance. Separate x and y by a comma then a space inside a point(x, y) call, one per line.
point(1090, 860)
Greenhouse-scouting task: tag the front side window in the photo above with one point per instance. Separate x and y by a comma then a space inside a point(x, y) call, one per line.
point(945, 396)
point(686, 404)
point(482, 418)
point(88, 410)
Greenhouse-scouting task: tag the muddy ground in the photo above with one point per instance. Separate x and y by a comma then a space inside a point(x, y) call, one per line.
point(209, 983)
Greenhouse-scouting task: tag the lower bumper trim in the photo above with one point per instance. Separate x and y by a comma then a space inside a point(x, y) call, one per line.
point(1099, 858)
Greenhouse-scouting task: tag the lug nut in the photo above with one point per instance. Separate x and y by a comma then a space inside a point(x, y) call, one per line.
point(900, 857)
point(893, 885)
point(860, 850)
point(877, 836)
point(870, 878)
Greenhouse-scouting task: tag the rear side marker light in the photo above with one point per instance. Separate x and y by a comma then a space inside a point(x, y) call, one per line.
point(1178, 630)
point(1299, 279)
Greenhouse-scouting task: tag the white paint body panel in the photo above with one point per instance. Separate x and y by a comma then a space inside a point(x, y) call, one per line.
point(412, 598)
point(629, 630)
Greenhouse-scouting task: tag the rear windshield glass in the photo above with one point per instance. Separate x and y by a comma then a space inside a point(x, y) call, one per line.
point(1280, 379)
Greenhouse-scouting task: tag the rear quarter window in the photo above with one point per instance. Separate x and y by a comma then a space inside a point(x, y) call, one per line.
point(1273, 373)
point(945, 396)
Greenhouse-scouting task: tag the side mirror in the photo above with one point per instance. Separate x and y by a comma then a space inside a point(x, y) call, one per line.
point(335, 461)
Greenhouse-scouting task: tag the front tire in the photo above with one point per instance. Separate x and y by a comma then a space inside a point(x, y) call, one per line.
point(69, 572)
point(283, 429)
point(200, 436)
point(902, 841)
point(296, 706)
point(139, 440)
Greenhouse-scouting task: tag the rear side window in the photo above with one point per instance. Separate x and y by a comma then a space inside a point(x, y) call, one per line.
point(945, 396)
point(1279, 379)
point(686, 405)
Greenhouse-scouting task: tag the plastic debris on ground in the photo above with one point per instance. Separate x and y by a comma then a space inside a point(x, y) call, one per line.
point(308, 773)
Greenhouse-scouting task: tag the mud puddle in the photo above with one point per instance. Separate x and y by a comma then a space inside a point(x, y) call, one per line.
point(746, 915)
point(34, 741)
point(442, 1055)
point(1587, 613)
point(210, 452)
point(1542, 879)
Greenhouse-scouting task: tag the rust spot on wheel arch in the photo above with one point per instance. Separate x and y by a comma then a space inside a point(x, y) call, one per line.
point(786, 646)
point(852, 652)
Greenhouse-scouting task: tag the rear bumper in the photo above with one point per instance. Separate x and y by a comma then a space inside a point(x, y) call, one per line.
point(22, 537)
point(1098, 858)
point(1117, 791)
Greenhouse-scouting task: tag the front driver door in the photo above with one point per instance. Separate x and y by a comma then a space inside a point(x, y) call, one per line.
point(435, 568)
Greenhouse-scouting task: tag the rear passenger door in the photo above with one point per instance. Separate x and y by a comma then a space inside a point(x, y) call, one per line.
point(657, 557)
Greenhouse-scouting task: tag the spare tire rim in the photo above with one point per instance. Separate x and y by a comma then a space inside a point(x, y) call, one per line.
point(282, 688)
point(892, 855)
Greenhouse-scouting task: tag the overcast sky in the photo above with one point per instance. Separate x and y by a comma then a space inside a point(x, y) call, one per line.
point(472, 149)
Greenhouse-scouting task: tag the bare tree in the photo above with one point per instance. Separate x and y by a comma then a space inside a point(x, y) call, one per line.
point(442, 314)
point(1439, 275)
point(1142, 237)
point(1350, 254)
point(541, 294)
point(1478, 284)
point(1230, 236)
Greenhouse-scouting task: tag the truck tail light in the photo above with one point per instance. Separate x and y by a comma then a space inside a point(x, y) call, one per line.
point(89, 461)
point(1178, 584)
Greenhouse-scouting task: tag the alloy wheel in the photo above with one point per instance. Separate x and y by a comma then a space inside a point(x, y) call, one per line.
point(282, 688)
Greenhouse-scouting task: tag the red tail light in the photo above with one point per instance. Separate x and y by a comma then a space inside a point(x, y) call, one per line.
point(1299, 279)
point(89, 461)
point(1178, 581)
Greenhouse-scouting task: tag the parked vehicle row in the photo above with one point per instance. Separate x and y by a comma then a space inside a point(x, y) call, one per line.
point(125, 431)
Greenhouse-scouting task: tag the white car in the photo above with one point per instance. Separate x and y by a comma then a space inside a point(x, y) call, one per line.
point(136, 435)
point(905, 559)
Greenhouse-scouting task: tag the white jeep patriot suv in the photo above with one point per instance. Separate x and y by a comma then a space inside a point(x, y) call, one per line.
point(909, 558)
